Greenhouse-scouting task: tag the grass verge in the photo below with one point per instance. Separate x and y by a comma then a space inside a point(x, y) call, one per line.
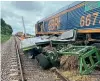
point(4, 38)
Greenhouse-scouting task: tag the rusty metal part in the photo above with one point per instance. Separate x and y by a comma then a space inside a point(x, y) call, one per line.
point(55, 70)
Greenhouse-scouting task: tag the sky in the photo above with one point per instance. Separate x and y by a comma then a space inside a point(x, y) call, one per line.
point(32, 11)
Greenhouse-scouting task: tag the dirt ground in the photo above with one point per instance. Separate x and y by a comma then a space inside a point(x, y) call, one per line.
point(69, 69)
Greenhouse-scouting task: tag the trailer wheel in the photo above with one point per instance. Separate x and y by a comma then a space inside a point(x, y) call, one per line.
point(43, 61)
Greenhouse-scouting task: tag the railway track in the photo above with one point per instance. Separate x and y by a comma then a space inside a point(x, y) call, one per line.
point(27, 69)
point(19, 61)
point(9, 62)
point(56, 72)
point(15, 68)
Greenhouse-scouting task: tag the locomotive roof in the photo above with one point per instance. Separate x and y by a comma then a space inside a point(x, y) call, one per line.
point(62, 9)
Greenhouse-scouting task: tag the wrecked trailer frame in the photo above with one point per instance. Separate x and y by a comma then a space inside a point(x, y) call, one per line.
point(28, 44)
point(88, 57)
point(51, 58)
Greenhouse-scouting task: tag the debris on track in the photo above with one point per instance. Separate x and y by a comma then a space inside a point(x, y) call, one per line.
point(73, 75)
point(69, 62)
point(69, 69)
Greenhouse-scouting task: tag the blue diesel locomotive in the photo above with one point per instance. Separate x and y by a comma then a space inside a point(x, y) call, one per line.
point(81, 15)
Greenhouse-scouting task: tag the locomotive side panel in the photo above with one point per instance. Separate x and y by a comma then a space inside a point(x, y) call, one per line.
point(91, 18)
point(63, 22)
point(85, 15)
point(74, 16)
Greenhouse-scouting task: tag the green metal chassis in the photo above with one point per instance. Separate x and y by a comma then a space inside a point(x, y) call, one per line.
point(83, 52)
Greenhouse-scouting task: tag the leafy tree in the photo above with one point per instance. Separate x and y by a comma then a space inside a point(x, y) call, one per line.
point(6, 29)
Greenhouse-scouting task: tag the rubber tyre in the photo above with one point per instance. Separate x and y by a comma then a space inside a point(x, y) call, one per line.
point(43, 61)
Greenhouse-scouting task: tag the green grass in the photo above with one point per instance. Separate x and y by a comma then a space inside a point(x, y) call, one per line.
point(4, 38)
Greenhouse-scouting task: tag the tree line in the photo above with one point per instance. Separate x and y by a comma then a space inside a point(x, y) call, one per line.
point(6, 29)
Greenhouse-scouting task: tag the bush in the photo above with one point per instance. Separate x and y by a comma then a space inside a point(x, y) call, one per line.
point(6, 31)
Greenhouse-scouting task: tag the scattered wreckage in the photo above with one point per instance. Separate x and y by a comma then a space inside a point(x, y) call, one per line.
point(49, 50)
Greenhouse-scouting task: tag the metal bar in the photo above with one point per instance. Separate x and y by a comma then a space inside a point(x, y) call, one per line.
point(69, 53)
point(19, 60)
point(24, 26)
point(81, 65)
point(82, 49)
point(59, 74)
point(91, 60)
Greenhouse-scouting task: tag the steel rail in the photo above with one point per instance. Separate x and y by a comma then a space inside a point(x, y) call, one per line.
point(19, 60)
point(55, 70)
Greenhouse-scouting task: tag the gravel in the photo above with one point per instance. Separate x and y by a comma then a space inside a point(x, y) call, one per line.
point(32, 71)
point(7, 50)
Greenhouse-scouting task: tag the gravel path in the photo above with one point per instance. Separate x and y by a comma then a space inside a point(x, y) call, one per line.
point(32, 71)
point(7, 50)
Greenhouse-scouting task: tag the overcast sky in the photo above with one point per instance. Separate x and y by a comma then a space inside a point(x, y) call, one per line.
point(32, 11)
